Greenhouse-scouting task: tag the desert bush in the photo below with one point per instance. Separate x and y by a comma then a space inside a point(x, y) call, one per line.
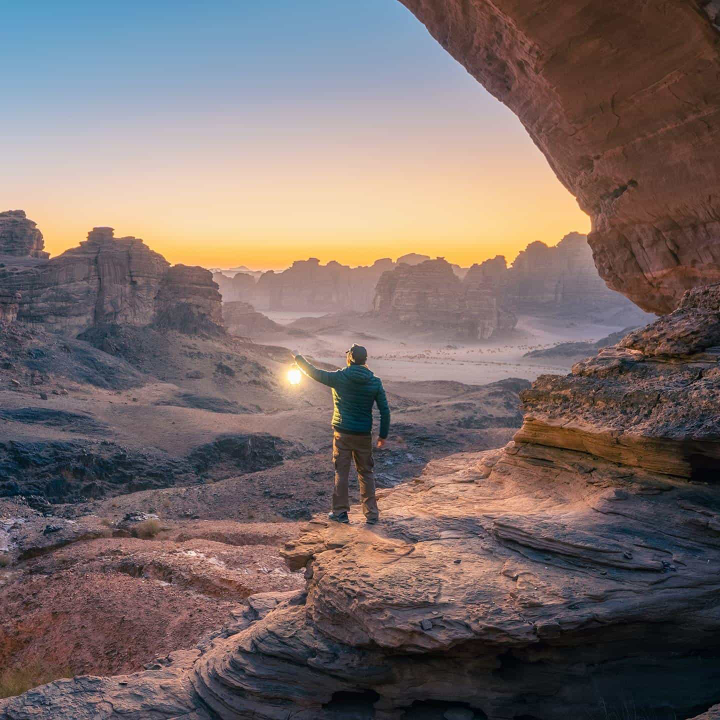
point(18, 681)
point(147, 529)
point(4, 560)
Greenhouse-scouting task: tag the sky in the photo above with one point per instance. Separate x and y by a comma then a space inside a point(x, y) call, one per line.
point(238, 132)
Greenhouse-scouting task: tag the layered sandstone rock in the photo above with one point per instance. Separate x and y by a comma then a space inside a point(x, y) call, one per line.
point(561, 281)
point(242, 319)
point(238, 288)
point(9, 306)
point(651, 402)
point(188, 300)
point(429, 297)
point(19, 236)
point(108, 281)
point(626, 107)
point(309, 286)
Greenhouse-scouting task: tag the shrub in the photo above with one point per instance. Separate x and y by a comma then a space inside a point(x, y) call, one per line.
point(147, 529)
point(18, 681)
point(4, 560)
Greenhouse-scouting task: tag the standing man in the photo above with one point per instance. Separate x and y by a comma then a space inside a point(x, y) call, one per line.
point(355, 390)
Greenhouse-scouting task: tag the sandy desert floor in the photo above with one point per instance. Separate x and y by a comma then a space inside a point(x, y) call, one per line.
point(422, 360)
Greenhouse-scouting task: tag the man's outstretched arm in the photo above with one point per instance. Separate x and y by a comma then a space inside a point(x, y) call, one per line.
point(322, 376)
point(384, 408)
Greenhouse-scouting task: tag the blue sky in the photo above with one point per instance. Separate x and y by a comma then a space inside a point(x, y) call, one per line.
point(210, 127)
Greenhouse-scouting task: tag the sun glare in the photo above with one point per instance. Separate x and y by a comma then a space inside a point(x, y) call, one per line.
point(294, 376)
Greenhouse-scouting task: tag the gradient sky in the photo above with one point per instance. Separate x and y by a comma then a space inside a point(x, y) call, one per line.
point(258, 132)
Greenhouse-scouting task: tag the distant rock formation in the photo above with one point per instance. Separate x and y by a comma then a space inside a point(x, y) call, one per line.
point(412, 259)
point(242, 319)
point(559, 280)
point(430, 297)
point(19, 236)
point(309, 286)
point(556, 281)
point(106, 281)
point(188, 300)
point(239, 287)
point(416, 259)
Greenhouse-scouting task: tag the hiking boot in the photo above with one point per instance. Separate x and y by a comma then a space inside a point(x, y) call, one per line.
point(339, 518)
point(371, 521)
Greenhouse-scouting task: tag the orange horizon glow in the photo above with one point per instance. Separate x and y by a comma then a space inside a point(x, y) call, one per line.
point(230, 138)
point(353, 207)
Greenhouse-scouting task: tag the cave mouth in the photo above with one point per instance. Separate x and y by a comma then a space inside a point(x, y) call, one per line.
point(353, 705)
point(442, 710)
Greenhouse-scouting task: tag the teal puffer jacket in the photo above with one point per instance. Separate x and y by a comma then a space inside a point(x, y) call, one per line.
point(355, 390)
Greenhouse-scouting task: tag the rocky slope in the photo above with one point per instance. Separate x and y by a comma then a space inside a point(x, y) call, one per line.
point(624, 102)
point(104, 281)
point(533, 581)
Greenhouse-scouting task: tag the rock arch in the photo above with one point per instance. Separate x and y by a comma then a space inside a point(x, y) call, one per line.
point(623, 98)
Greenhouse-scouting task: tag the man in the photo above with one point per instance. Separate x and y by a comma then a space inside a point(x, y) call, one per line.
point(355, 390)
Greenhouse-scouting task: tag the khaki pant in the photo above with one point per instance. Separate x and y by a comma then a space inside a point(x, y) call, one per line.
point(359, 449)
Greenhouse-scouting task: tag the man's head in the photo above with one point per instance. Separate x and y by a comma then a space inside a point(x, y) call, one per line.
point(356, 355)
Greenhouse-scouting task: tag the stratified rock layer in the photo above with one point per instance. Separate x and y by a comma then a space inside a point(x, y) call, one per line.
point(108, 281)
point(625, 104)
point(429, 297)
point(561, 281)
point(19, 236)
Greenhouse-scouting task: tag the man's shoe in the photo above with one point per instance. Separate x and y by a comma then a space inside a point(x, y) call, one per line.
point(371, 521)
point(339, 518)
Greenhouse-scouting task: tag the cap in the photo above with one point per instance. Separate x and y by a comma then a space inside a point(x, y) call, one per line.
point(358, 353)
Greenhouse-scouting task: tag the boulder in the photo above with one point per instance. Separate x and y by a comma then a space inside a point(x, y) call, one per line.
point(19, 236)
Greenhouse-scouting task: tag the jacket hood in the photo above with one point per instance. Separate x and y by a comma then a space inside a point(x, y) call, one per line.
point(359, 374)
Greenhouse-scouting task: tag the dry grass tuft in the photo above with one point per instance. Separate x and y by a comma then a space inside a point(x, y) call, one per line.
point(147, 529)
point(16, 682)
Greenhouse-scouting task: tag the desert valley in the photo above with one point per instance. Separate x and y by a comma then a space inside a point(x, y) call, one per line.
point(549, 536)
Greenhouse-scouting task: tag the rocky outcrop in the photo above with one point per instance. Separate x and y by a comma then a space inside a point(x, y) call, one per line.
point(558, 281)
point(625, 106)
point(238, 288)
point(242, 319)
point(19, 237)
point(309, 286)
point(188, 301)
point(9, 305)
point(429, 297)
point(108, 281)
point(652, 402)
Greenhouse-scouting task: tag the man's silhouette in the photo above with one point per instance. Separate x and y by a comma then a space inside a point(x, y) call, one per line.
point(355, 390)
